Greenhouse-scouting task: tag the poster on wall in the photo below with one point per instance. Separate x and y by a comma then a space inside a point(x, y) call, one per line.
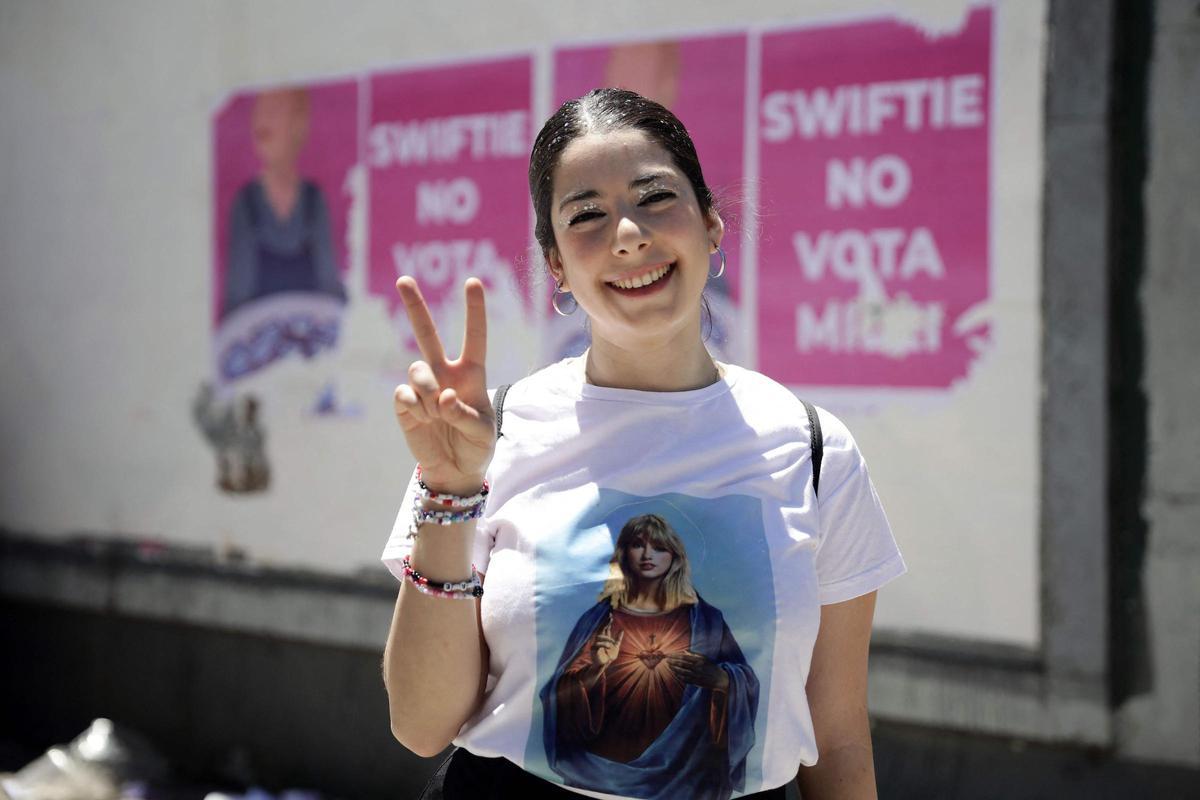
point(701, 80)
point(281, 161)
point(873, 142)
point(325, 193)
point(281, 158)
point(447, 151)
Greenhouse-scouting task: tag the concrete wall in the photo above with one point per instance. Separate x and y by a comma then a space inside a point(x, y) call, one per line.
point(1161, 721)
point(105, 251)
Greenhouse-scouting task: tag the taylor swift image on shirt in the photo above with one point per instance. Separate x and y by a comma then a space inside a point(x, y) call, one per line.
point(652, 696)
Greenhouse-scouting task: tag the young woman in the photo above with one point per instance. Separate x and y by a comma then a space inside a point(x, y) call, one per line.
point(644, 424)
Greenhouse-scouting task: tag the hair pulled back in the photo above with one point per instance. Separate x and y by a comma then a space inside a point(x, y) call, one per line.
point(603, 111)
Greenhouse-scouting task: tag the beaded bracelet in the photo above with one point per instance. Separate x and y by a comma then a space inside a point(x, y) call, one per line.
point(422, 515)
point(470, 507)
point(462, 590)
point(431, 496)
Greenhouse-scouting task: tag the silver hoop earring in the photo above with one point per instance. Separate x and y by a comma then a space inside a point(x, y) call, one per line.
point(558, 290)
point(721, 271)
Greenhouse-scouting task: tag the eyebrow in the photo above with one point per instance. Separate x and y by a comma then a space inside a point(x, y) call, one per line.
point(587, 194)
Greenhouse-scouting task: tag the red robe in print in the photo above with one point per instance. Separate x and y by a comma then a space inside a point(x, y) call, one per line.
point(635, 698)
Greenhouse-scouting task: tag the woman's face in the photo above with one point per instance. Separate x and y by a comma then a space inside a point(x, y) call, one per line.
point(631, 241)
point(279, 126)
point(647, 560)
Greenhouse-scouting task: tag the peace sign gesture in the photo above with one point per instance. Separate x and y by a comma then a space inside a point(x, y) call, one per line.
point(444, 409)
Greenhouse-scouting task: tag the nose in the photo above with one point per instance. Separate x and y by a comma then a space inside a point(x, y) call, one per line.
point(630, 237)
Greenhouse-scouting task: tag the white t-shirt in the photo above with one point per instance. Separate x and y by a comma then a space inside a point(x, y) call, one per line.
point(595, 697)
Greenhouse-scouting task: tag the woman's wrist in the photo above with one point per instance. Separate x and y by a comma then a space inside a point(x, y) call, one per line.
point(466, 487)
point(456, 486)
point(448, 502)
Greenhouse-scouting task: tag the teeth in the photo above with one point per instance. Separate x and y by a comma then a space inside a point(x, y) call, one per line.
point(643, 280)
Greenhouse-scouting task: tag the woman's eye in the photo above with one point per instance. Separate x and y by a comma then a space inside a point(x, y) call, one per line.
point(658, 197)
point(583, 217)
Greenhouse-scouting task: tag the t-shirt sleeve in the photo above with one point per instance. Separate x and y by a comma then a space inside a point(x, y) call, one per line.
point(857, 552)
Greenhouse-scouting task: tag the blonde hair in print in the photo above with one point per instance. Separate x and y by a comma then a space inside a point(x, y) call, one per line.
point(676, 587)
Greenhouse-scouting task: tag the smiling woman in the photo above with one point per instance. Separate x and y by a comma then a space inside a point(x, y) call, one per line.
point(646, 688)
point(633, 228)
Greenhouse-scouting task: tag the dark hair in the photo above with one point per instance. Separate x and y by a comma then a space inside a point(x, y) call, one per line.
point(601, 111)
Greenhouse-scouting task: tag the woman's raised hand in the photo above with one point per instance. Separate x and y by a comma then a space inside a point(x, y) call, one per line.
point(444, 409)
point(605, 648)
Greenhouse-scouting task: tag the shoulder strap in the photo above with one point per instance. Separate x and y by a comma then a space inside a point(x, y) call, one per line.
point(816, 442)
point(498, 404)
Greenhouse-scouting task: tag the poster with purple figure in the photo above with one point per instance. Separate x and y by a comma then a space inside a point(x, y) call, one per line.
point(282, 157)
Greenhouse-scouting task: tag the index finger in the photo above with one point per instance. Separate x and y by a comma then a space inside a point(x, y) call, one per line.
point(475, 341)
point(422, 323)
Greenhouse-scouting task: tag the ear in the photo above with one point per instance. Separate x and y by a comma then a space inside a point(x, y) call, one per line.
point(715, 228)
point(554, 261)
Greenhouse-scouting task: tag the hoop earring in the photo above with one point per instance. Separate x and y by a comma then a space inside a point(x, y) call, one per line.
point(554, 300)
point(721, 271)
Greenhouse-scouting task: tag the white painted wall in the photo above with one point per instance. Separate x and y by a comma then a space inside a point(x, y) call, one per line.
point(104, 291)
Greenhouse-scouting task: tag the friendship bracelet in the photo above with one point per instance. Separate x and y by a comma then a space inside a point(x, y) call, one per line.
point(422, 515)
point(461, 590)
point(455, 508)
point(431, 496)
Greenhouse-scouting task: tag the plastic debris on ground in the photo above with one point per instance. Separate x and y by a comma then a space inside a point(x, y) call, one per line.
point(111, 762)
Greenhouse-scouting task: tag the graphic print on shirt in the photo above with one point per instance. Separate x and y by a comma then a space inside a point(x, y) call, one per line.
point(652, 655)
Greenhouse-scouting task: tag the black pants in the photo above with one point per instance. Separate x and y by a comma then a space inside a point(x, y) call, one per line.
point(466, 776)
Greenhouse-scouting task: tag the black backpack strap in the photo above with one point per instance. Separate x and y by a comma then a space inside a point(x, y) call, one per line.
point(816, 442)
point(498, 404)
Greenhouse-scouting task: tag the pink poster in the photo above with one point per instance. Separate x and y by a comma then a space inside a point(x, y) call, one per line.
point(873, 159)
point(447, 150)
point(702, 80)
point(281, 161)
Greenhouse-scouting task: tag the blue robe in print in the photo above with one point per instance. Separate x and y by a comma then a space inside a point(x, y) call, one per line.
point(683, 761)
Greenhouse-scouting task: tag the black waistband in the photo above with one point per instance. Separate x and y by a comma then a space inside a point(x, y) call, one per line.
point(466, 776)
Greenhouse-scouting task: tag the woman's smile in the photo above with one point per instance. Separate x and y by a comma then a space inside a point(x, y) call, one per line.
point(644, 281)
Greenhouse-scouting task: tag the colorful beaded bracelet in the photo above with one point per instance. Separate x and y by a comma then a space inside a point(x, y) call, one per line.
point(468, 507)
point(461, 590)
point(422, 516)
